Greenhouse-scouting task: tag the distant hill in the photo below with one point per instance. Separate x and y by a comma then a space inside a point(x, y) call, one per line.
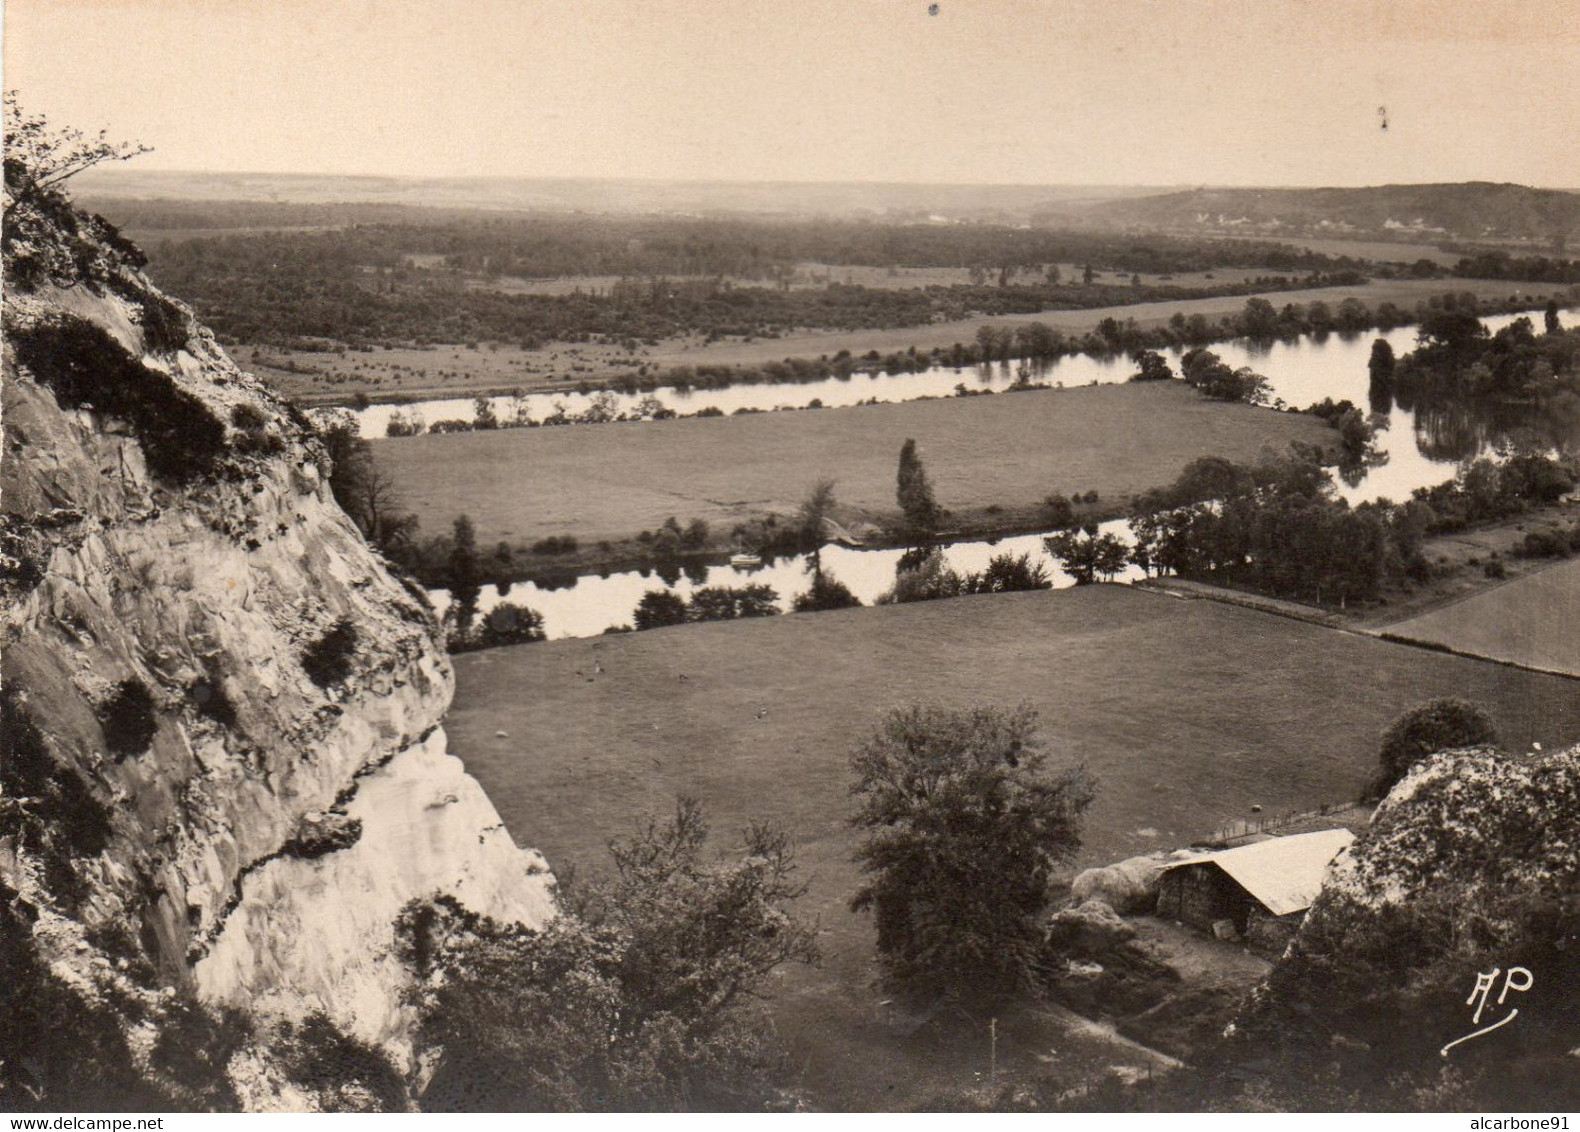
point(1476, 211)
point(1003, 204)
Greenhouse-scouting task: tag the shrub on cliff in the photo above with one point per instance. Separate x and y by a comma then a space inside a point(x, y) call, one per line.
point(84, 366)
point(327, 661)
point(344, 1073)
point(58, 1050)
point(633, 998)
point(45, 239)
point(130, 717)
point(165, 327)
point(46, 805)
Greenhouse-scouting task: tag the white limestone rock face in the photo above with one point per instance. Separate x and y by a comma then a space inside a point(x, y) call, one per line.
point(209, 590)
point(317, 934)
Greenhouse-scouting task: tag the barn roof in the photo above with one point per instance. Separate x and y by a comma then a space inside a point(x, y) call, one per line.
point(1284, 874)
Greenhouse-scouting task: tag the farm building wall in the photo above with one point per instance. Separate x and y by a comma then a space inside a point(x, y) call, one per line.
point(1200, 895)
point(1269, 933)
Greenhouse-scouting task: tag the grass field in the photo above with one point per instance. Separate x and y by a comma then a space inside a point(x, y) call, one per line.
point(450, 371)
point(1010, 450)
point(1532, 620)
point(1187, 712)
point(1381, 251)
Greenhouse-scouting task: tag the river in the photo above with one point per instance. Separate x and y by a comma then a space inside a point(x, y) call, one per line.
point(1415, 450)
point(1416, 453)
point(595, 602)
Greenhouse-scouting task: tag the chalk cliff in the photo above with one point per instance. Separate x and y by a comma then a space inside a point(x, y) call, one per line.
point(224, 761)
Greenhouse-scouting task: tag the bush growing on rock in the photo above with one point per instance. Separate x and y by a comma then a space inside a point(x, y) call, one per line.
point(321, 834)
point(327, 661)
point(47, 804)
point(83, 365)
point(344, 1073)
point(1438, 725)
point(130, 717)
point(165, 328)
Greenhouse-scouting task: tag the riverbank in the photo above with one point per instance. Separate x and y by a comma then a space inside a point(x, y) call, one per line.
point(398, 376)
point(993, 462)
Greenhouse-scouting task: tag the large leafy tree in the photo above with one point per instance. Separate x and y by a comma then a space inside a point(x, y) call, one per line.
point(965, 823)
point(1088, 554)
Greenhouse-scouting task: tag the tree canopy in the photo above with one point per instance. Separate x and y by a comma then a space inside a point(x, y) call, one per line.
point(965, 823)
point(632, 998)
point(914, 492)
point(1438, 725)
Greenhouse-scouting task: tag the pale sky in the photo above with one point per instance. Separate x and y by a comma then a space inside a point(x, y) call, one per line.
point(1260, 92)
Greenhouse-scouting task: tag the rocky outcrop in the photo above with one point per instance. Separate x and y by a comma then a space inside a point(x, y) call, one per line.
point(1470, 869)
point(1088, 930)
point(1129, 886)
point(224, 749)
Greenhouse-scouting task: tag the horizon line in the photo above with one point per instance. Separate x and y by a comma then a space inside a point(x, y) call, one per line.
point(115, 171)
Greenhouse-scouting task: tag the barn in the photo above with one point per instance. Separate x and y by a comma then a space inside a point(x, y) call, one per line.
point(1262, 889)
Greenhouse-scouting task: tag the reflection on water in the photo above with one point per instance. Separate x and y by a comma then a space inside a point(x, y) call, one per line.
point(1455, 429)
point(595, 603)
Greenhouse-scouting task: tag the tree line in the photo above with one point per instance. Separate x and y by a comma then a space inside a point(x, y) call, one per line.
point(1277, 528)
point(757, 248)
point(249, 289)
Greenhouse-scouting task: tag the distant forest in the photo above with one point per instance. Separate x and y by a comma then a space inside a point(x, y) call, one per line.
point(358, 284)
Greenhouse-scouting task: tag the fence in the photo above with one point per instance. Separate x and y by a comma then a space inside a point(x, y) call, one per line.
point(1271, 823)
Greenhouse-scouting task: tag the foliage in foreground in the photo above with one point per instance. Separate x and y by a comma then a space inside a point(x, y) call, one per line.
point(634, 998)
point(965, 824)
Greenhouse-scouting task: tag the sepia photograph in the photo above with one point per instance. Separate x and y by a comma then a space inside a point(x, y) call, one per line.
point(790, 557)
